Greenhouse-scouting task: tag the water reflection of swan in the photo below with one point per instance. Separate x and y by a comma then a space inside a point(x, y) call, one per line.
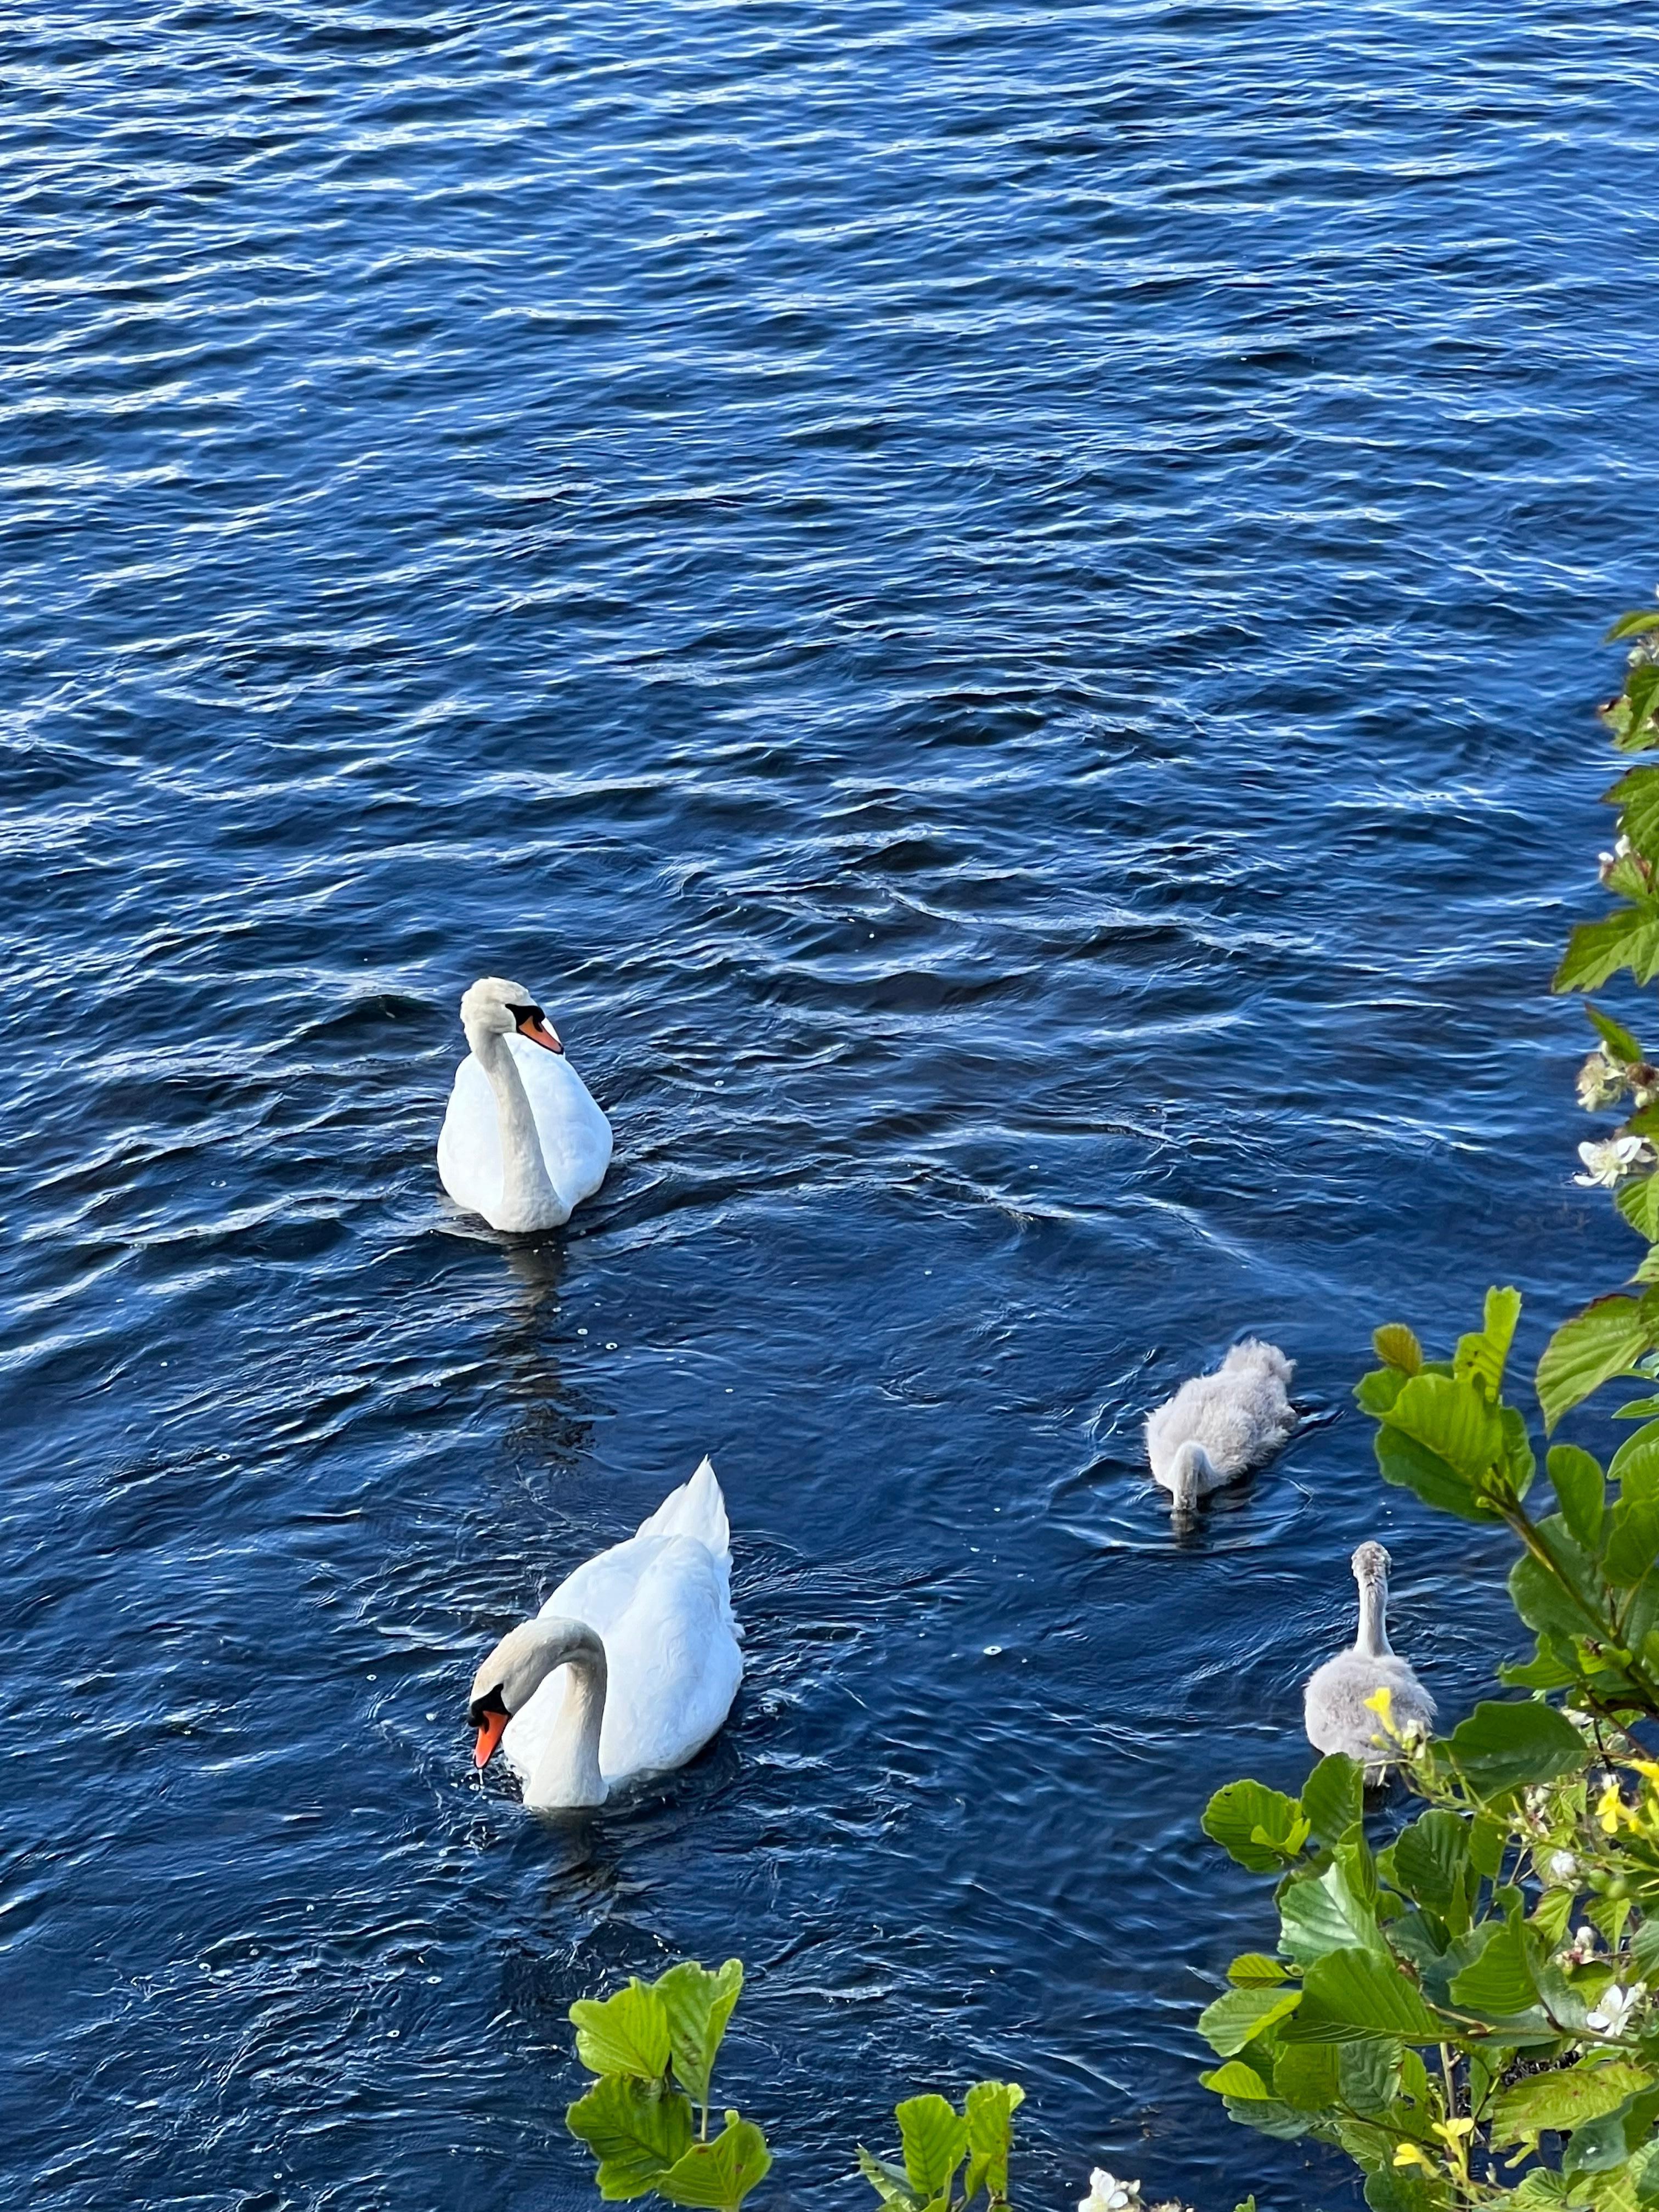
point(1338, 1717)
point(1218, 1426)
point(522, 1142)
point(628, 1668)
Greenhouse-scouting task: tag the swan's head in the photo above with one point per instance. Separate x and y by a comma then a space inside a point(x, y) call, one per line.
point(1191, 1473)
point(516, 1669)
point(1370, 1564)
point(494, 1007)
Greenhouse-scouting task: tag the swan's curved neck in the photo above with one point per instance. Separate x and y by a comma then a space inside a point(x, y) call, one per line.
point(567, 1771)
point(526, 1187)
point(1373, 1637)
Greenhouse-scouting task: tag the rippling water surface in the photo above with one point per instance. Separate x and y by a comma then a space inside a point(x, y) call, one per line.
point(995, 605)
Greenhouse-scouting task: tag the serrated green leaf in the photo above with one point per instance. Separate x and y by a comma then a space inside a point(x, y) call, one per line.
point(989, 2109)
point(1564, 2098)
point(1637, 1200)
point(716, 2177)
point(1402, 1461)
point(935, 2135)
point(1322, 1913)
point(1397, 1346)
point(1241, 1814)
point(627, 2033)
point(636, 2130)
point(1581, 1491)
point(1627, 937)
point(1432, 1862)
point(699, 2004)
point(1239, 2015)
point(1449, 1416)
point(1606, 1340)
point(1369, 2074)
point(1499, 1982)
point(887, 2180)
point(1481, 1357)
point(1503, 1747)
point(1234, 2079)
point(1598, 2145)
point(1253, 1970)
point(1357, 1993)
point(1333, 1797)
point(1305, 2075)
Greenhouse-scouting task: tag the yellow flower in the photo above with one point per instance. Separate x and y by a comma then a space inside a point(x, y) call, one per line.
point(1609, 1806)
point(1452, 2131)
point(1411, 2154)
point(1380, 1702)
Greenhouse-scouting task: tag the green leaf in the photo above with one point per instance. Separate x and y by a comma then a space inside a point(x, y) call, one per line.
point(989, 2108)
point(1502, 1747)
point(1450, 1417)
point(1581, 1491)
point(717, 2176)
point(1405, 1463)
point(1397, 1346)
point(1597, 2145)
point(627, 2033)
point(1627, 937)
point(1636, 795)
point(935, 2135)
point(1499, 1982)
point(1431, 1860)
point(1369, 2073)
point(1620, 1044)
point(1387, 2191)
point(1322, 1913)
point(1606, 1340)
point(1357, 1993)
point(1255, 1825)
point(1252, 1970)
point(1564, 1598)
point(1269, 2117)
point(699, 2004)
point(1305, 2075)
point(1479, 1358)
point(1567, 2097)
point(1638, 1200)
point(1238, 2016)
point(888, 2181)
point(1632, 1542)
point(1633, 625)
point(1333, 1797)
point(1375, 1393)
point(636, 2130)
point(1234, 2079)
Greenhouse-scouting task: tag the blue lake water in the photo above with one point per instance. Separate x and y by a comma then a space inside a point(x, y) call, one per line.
point(997, 606)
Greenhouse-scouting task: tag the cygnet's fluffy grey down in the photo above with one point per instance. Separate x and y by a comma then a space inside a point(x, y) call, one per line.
point(1218, 1426)
point(1338, 1717)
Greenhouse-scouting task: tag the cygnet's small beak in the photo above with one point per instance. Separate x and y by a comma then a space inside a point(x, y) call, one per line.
point(490, 1734)
point(540, 1031)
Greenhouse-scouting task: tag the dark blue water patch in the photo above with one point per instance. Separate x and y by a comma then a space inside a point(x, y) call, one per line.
point(997, 608)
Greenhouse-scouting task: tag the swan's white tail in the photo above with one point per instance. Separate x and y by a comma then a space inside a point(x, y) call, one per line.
point(1254, 1355)
point(695, 1509)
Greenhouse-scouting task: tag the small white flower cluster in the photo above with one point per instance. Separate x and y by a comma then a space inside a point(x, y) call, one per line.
point(1580, 1951)
point(1563, 1867)
point(1107, 2194)
point(1602, 1081)
point(1615, 2008)
point(1606, 862)
point(1608, 1163)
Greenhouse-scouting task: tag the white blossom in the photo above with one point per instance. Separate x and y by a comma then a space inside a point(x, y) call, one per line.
point(1580, 1951)
point(1601, 1082)
point(1613, 1159)
point(1606, 862)
point(1612, 2015)
point(1562, 1866)
point(1107, 2194)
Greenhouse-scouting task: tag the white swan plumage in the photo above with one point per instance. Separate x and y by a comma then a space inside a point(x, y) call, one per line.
point(631, 1667)
point(523, 1142)
point(1217, 1426)
point(1334, 1704)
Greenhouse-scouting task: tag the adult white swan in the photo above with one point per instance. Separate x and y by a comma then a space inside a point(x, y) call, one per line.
point(629, 1667)
point(1338, 1718)
point(522, 1141)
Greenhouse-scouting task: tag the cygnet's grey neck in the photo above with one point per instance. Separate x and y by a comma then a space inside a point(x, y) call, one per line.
point(1373, 1637)
point(527, 1188)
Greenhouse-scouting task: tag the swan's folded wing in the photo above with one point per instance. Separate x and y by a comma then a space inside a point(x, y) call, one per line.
point(674, 1661)
point(470, 1142)
point(575, 1137)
